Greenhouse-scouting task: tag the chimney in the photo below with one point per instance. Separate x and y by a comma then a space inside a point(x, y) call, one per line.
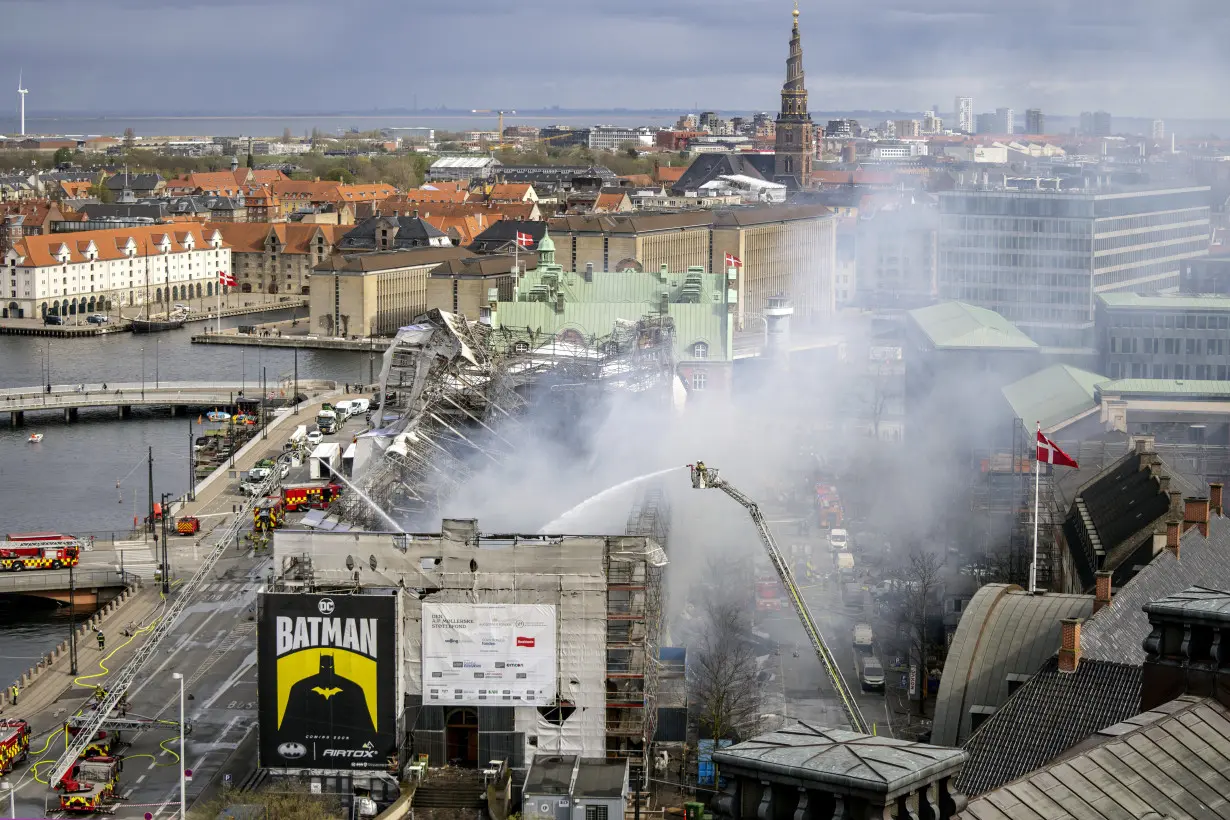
point(1196, 514)
point(1163, 483)
point(1070, 645)
point(1215, 499)
point(1176, 503)
point(1102, 591)
point(1172, 537)
point(589, 273)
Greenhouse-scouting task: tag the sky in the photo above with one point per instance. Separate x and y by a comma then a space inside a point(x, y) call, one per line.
point(1139, 58)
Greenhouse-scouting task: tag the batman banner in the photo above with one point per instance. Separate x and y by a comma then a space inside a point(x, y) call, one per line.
point(327, 681)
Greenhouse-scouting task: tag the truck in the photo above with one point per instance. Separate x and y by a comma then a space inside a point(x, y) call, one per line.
point(89, 784)
point(325, 460)
point(844, 562)
point(768, 595)
point(326, 420)
point(296, 438)
point(317, 494)
point(14, 743)
point(852, 596)
point(863, 637)
point(39, 550)
point(268, 514)
point(262, 469)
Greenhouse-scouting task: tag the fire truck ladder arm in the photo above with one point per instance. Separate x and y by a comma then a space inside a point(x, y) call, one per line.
point(124, 679)
point(821, 647)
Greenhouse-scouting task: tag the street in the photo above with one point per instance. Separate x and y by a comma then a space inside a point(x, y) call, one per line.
point(213, 645)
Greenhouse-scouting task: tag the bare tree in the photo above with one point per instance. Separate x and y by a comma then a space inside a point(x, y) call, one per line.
point(722, 674)
point(345, 320)
point(326, 321)
point(919, 588)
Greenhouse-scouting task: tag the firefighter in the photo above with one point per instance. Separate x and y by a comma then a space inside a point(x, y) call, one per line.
point(102, 640)
point(14, 692)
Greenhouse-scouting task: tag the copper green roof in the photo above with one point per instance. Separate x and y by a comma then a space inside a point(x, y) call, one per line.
point(1124, 299)
point(1053, 394)
point(957, 325)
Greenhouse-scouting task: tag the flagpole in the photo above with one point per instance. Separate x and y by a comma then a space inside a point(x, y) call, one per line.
point(218, 293)
point(1033, 566)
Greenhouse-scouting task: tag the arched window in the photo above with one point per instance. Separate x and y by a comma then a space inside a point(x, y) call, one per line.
point(209, 288)
point(700, 350)
point(521, 347)
point(198, 290)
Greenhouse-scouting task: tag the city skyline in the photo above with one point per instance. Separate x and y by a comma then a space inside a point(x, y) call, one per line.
point(881, 55)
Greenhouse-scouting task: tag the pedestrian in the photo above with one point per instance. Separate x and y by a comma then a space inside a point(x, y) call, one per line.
point(102, 640)
point(13, 693)
point(104, 387)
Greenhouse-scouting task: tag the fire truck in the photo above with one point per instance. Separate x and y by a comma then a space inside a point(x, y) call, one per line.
point(768, 595)
point(105, 743)
point(318, 495)
point(89, 785)
point(268, 514)
point(38, 550)
point(14, 743)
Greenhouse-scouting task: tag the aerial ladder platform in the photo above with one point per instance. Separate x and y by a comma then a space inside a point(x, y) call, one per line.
point(706, 478)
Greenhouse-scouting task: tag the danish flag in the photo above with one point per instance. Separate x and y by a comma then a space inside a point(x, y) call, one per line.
point(1049, 453)
point(226, 279)
point(525, 240)
point(733, 261)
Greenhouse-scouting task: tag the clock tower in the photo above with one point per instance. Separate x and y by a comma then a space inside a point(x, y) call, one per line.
point(794, 146)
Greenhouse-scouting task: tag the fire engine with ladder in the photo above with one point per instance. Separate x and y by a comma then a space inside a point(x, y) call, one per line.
point(39, 550)
point(706, 478)
point(14, 743)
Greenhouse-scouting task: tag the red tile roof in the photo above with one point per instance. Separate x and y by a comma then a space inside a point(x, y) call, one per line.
point(43, 250)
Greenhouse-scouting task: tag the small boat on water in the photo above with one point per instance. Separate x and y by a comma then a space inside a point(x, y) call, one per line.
point(35, 438)
point(218, 415)
point(150, 325)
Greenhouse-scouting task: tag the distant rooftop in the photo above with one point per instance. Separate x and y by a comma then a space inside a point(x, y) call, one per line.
point(1054, 394)
point(1135, 300)
point(957, 325)
point(1189, 388)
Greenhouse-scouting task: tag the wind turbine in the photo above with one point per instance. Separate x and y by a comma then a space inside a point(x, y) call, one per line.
point(21, 93)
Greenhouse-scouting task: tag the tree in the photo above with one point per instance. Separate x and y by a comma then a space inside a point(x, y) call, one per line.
point(63, 156)
point(345, 320)
point(722, 674)
point(251, 161)
point(919, 582)
point(339, 175)
point(100, 191)
point(326, 322)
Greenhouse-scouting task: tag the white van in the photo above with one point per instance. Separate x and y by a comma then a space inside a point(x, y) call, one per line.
point(345, 409)
point(360, 406)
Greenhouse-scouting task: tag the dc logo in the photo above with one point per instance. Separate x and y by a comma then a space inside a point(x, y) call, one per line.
point(325, 605)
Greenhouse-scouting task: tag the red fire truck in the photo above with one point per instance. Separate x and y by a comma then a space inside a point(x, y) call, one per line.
point(317, 494)
point(14, 743)
point(38, 550)
point(87, 786)
point(769, 595)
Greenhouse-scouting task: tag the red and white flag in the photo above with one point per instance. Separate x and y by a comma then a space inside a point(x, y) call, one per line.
point(1049, 453)
point(226, 279)
point(525, 240)
point(733, 261)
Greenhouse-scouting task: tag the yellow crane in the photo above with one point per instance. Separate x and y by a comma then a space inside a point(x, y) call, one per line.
point(500, 112)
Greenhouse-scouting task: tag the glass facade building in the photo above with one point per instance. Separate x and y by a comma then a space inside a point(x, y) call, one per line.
point(1038, 258)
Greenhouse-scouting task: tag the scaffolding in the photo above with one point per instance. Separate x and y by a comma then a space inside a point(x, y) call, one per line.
point(634, 623)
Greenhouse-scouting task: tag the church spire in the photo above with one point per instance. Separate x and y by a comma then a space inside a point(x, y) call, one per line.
point(794, 93)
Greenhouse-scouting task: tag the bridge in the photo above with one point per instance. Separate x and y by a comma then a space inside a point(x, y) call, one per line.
point(180, 397)
point(88, 584)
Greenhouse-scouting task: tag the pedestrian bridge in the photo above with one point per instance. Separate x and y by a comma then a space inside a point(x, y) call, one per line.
point(180, 397)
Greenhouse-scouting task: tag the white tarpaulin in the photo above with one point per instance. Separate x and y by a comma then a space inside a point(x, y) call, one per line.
point(489, 654)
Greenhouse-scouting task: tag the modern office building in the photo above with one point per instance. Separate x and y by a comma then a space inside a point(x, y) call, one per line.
point(1164, 337)
point(1035, 121)
point(1005, 120)
point(1039, 258)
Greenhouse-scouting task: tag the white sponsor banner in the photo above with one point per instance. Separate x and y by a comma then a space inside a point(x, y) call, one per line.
point(489, 654)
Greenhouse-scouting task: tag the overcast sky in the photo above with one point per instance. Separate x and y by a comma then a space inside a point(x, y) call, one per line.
point(1149, 58)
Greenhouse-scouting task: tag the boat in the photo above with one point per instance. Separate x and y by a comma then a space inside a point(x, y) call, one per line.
point(35, 438)
point(218, 415)
point(148, 324)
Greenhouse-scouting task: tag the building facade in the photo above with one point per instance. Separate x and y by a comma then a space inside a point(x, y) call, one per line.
point(1035, 121)
point(88, 271)
point(1164, 337)
point(794, 141)
point(963, 113)
point(1039, 258)
point(783, 249)
point(278, 257)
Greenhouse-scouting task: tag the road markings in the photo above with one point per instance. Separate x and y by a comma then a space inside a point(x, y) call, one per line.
point(152, 765)
point(139, 779)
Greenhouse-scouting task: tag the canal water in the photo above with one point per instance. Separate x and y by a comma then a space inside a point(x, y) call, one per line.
point(90, 476)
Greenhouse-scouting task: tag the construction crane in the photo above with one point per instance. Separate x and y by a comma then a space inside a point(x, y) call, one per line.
point(501, 112)
point(706, 478)
point(118, 686)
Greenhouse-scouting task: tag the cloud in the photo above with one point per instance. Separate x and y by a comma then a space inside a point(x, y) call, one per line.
point(1132, 57)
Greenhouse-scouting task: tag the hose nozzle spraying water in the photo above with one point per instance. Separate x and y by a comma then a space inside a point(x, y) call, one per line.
point(553, 526)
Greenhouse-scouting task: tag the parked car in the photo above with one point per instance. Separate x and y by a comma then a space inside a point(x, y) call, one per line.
point(53, 319)
point(97, 319)
point(315, 437)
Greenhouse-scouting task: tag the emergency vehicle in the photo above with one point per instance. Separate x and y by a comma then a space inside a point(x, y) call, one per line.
point(104, 743)
point(38, 550)
point(769, 595)
point(14, 743)
point(188, 525)
point(268, 514)
point(319, 495)
point(89, 784)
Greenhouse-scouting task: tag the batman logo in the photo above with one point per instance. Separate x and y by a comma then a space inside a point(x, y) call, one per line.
point(292, 751)
point(345, 681)
point(326, 693)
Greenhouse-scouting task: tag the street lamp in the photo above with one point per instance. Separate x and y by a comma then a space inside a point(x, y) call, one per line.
point(157, 351)
point(183, 802)
point(8, 787)
point(143, 374)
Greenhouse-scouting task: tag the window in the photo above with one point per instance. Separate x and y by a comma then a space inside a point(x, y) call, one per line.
point(700, 350)
point(595, 813)
point(699, 380)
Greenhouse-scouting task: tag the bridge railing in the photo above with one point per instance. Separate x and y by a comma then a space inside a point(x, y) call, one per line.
point(43, 579)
